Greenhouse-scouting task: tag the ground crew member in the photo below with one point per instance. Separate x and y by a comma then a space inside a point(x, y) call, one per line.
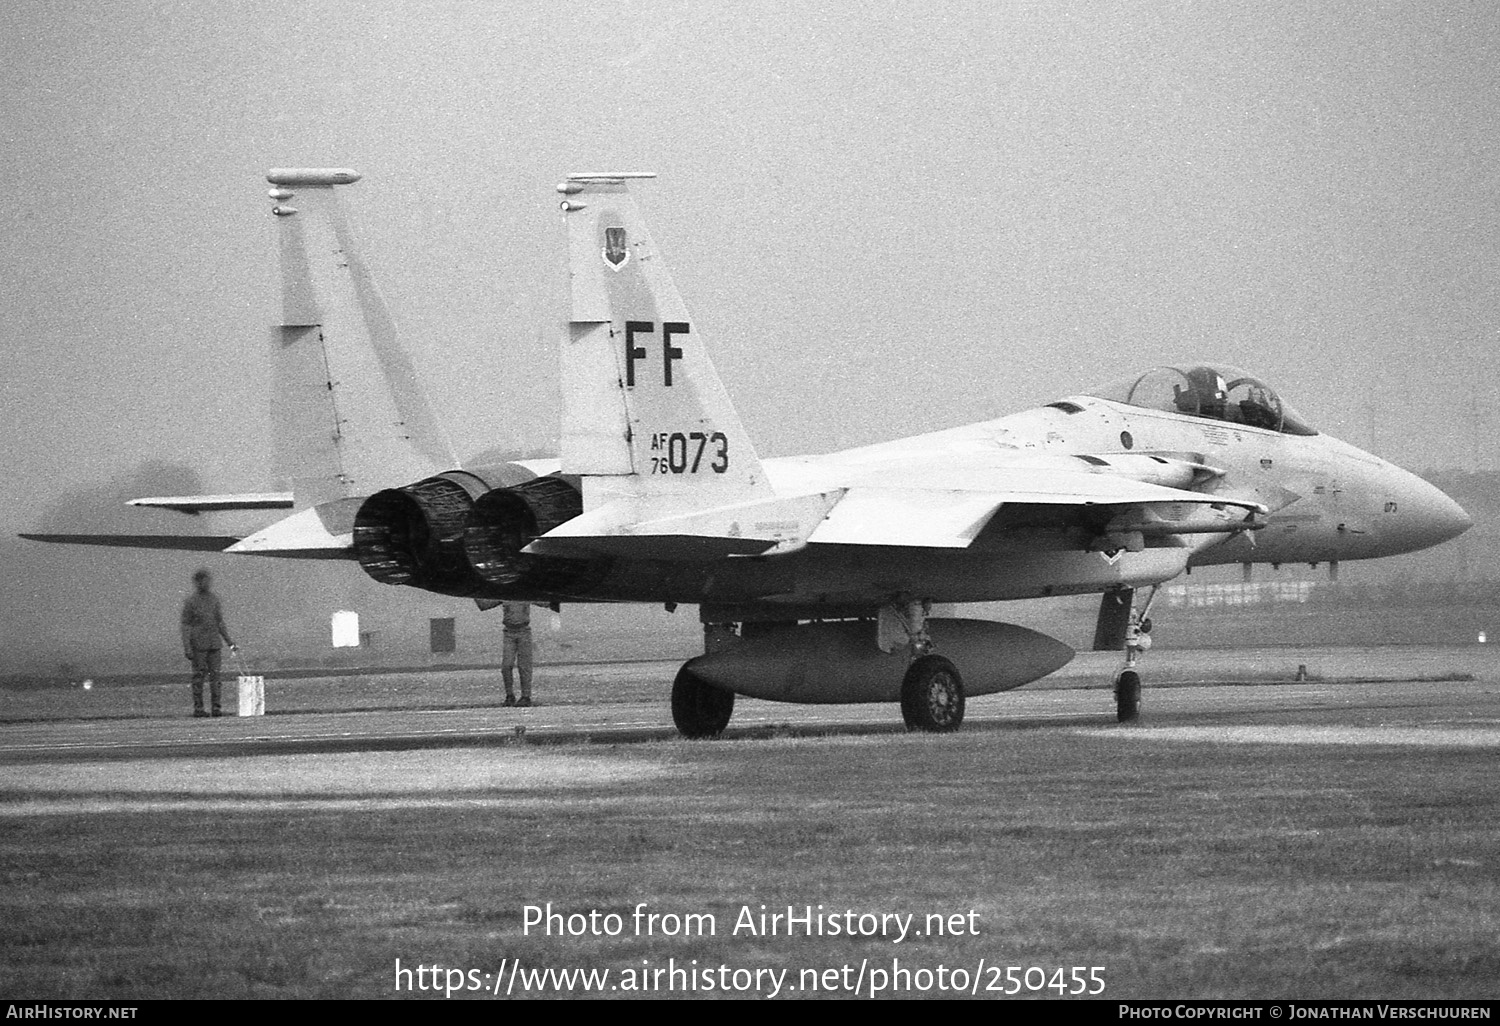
point(202, 627)
point(517, 624)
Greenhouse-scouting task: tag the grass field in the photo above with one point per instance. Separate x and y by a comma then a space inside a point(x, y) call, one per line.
point(1185, 869)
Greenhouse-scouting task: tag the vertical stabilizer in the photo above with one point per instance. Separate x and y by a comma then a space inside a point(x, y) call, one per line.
point(349, 413)
point(645, 416)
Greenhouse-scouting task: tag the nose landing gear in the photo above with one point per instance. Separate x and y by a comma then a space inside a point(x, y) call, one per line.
point(1137, 641)
point(1128, 696)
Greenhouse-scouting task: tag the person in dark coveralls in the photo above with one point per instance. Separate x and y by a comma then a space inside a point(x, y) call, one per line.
point(517, 623)
point(202, 627)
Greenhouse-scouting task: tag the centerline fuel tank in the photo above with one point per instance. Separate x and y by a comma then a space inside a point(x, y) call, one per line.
point(839, 662)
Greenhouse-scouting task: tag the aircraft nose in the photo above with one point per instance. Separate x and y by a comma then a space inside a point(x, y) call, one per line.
point(1455, 520)
point(1441, 518)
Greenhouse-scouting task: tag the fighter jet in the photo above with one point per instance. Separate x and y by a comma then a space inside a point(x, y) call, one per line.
point(815, 577)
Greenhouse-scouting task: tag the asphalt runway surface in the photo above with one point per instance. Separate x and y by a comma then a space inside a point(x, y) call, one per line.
point(1394, 697)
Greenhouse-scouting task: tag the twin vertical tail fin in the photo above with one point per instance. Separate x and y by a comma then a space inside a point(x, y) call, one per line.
point(350, 414)
point(645, 417)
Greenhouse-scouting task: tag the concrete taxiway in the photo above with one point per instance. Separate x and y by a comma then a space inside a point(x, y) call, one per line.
point(1414, 706)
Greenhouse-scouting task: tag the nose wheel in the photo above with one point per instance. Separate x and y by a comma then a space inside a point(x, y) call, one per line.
point(1128, 696)
point(1137, 644)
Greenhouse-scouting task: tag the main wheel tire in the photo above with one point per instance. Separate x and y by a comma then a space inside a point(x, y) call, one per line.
point(932, 696)
point(1128, 696)
point(699, 709)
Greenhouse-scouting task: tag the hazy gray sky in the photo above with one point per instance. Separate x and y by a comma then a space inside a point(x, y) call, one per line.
point(887, 218)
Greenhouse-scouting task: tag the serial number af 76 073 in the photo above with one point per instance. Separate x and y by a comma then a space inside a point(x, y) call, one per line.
point(684, 453)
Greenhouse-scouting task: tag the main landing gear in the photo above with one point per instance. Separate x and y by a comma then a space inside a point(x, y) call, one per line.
point(781, 659)
point(698, 708)
point(932, 696)
point(932, 692)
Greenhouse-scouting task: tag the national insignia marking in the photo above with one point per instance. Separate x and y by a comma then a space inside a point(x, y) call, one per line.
point(615, 251)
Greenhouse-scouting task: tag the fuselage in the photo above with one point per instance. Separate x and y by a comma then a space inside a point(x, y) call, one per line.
point(1123, 487)
point(1325, 501)
point(1328, 500)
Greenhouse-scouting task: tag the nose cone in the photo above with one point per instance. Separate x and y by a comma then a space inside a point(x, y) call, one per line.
point(1429, 517)
point(1449, 520)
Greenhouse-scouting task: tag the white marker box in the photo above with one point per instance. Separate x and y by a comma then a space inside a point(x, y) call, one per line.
point(252, 700)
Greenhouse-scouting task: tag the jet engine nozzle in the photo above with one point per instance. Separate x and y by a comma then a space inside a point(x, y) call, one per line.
point(506, 520)
point(414, 535)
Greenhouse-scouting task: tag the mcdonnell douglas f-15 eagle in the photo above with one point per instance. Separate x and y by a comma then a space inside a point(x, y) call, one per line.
point(814, 576)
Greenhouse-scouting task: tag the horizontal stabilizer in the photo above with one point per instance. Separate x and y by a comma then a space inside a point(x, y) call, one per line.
point(216, 503)
point(183, 542)
point(324, 532)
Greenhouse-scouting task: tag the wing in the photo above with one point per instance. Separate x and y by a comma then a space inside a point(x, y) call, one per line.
point(1097, 510)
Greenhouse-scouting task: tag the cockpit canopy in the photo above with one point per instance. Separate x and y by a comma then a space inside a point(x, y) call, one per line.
point(1213, 393)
